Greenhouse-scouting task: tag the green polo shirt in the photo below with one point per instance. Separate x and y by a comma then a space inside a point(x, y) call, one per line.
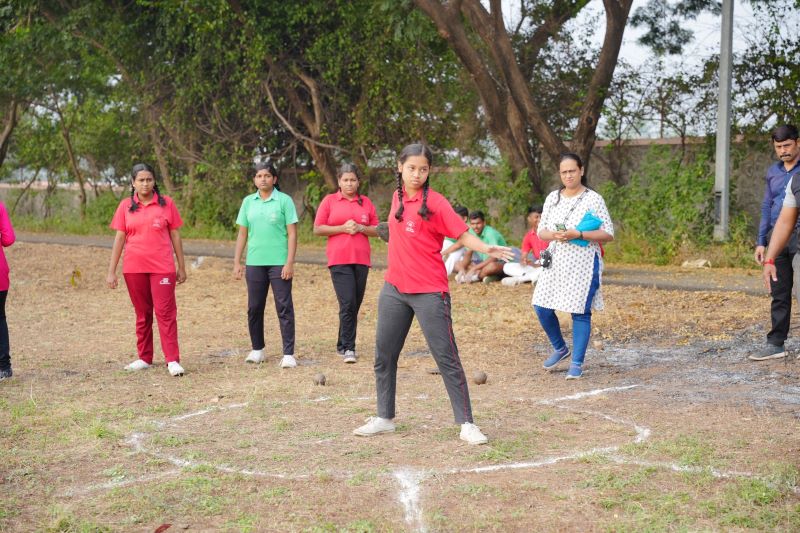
point(490, 236)
point(266, 221)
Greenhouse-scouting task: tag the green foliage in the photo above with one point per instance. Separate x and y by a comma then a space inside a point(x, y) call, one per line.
point(100, 210)
point(496, 192)
point(667, 210)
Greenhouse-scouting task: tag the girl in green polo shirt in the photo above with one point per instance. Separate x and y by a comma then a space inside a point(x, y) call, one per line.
point(268, 225)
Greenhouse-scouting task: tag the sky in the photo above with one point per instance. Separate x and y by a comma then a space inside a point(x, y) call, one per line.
point(706, 29)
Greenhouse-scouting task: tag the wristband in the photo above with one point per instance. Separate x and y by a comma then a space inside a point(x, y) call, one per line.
point(581, 236)
point(768, 262)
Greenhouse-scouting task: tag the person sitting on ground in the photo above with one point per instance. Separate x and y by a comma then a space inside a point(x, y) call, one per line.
point(528, 268)
point(475, 266)
point(452, 250)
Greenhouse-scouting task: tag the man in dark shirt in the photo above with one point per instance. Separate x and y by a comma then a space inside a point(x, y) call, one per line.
point(778, 259)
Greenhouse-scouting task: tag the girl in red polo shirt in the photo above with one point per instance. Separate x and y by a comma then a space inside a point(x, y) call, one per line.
point(347, 218)
point(416, 284)
point(147, 226)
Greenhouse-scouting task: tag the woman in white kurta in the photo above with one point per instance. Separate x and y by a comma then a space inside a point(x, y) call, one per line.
point(572, 282)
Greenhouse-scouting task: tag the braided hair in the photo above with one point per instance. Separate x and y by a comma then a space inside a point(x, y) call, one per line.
point(269, 167)
point(567, 156)
point(144, 167)
point(350, 168)
point(408, 151)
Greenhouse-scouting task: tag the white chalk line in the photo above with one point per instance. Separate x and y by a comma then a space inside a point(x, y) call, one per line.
point(409, 480)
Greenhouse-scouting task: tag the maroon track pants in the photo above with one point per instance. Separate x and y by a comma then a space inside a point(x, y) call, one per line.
point(149, 292)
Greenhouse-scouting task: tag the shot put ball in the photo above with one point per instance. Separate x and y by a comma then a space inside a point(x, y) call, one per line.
point(319, 379)
point(479, 377)
point(383, 231)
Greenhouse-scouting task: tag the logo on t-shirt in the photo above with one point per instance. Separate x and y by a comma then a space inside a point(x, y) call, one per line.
point(157, 222)
point(411, 227)
point(364, 217)
point(164, 281)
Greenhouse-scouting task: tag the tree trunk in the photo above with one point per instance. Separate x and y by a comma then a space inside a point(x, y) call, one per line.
point(9, 123)
point(73, 161)
point(506, 94)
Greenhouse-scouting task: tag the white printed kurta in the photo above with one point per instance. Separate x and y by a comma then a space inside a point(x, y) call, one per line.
point(565, 285)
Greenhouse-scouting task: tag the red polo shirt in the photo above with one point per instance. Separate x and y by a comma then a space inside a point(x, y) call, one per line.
point(148, 247)
point(343, 248)
point(415, 245)
point(532, 243)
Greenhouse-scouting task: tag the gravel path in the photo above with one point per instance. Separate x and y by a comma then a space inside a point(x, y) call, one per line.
point(668, 278)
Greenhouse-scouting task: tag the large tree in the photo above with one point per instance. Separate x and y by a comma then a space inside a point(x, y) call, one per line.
point(503, 64)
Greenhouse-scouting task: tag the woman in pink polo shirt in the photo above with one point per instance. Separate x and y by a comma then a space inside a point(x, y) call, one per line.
point(347, 218)
point(147, 226)
point(416, 284)
point(7, 238)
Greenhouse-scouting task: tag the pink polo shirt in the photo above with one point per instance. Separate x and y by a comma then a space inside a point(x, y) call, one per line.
point(415, 245)
point(343, 248)
point(7, 238)
point(148, 247)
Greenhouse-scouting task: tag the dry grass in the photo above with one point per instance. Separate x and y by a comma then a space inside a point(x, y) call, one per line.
point(274, 451)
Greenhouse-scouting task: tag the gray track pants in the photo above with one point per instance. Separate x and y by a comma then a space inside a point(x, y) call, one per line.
point(396, 311)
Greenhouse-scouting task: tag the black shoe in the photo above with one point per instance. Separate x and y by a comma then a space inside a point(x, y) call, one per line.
point(770, 351)
point(5, 374)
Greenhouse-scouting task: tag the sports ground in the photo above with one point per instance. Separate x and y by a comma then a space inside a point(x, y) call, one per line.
point(671, 428)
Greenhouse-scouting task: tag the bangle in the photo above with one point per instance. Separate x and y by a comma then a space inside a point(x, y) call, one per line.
point(581, 236)
point(769, 262)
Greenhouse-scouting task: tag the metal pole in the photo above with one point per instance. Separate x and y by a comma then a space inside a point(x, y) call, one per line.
point(722, 175)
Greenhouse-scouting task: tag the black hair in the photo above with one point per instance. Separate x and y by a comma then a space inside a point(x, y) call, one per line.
point(269, 167)
point(785, 132)
point(571, 156)
point(144, 167)
point(535, 208)
point(477, 214)
point(350, 168)
point(405, 153)
point(461, 210)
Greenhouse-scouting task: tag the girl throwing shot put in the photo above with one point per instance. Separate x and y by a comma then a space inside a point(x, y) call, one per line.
point(147, 227)
point(416, 284)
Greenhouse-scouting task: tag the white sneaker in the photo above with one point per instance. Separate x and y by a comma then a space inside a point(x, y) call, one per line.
point(374, 426)
point(350, 356)
point(256, 356)
point(512, 281)
point(472, 434)
point(175, 368)
point(288, 361)
point(137, 365)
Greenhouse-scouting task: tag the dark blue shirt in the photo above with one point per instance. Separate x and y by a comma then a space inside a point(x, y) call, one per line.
point(777, 177)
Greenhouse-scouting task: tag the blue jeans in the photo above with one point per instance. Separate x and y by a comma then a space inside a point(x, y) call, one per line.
point(581, 322)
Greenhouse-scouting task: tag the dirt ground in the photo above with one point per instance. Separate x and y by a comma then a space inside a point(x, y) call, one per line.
point(672, 428)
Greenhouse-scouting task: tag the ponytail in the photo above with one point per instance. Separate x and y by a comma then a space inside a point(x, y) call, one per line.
point(399, 213)
point(134, 205)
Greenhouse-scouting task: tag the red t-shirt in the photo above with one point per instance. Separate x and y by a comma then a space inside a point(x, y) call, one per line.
point(415, 245)
point(343, 248)
point(532, 243)
point(148, 247)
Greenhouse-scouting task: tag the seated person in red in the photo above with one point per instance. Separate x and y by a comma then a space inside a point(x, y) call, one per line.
point(528, 268)
point(475, 266)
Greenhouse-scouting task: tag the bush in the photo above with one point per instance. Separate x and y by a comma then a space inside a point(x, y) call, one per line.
point(666, 214)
